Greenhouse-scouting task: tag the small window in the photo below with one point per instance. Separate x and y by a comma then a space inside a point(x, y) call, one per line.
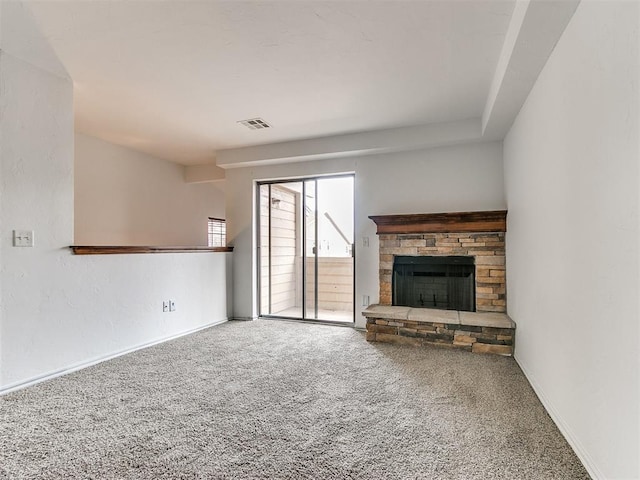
point(217, 232)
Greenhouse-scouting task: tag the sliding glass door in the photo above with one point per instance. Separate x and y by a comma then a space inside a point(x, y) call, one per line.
point(305, 247)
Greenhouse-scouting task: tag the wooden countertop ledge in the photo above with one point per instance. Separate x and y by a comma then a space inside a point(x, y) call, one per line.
point(123, 249)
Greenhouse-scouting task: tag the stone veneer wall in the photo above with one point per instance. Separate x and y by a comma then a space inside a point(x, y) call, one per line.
point(465, 337)
point(472, 331)
point(486, 248)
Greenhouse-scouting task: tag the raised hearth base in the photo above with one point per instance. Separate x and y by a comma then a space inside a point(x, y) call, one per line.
point(475, 332)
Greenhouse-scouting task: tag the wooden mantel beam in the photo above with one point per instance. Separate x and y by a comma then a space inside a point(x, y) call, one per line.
point(489, 221)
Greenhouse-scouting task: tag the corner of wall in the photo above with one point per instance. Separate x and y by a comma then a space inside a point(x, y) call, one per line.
point(566, 430)
point(21, 37)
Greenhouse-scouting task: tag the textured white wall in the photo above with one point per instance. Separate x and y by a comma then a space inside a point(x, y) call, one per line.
point(58, 310)
point(446, 179)
point(123, 197)
point(571, 171)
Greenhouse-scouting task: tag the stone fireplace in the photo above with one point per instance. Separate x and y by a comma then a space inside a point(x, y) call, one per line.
point(478, 236)
point(442, 282)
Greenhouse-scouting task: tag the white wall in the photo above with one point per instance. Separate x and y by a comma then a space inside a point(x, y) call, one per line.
point(446, 179)
point(124, 197)
point(57, 310)
point(571, 172)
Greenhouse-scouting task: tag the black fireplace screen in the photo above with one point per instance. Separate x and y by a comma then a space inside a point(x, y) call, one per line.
point(434, 282)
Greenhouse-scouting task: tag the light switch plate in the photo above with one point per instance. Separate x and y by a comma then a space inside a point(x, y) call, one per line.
point(23, 238)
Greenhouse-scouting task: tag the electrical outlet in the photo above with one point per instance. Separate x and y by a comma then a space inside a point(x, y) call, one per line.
point(165, 307)
point(23, 238)
point(365, 241)
point(172, 306)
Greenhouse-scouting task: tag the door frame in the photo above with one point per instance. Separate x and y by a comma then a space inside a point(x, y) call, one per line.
point(258, 275)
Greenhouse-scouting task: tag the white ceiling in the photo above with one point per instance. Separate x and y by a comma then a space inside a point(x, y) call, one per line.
point(172, 78)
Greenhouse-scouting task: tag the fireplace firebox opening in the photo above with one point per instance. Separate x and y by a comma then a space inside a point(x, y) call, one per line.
point(443, 282)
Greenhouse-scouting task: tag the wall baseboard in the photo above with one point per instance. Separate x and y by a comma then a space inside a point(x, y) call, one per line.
point(244, 319)
point(566, 431)
point(79, 366)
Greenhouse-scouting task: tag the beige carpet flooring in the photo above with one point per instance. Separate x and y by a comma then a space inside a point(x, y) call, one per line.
point(282, 400)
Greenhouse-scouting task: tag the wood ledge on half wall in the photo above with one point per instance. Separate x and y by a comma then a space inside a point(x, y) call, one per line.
point(487, 221)
point(123, 249)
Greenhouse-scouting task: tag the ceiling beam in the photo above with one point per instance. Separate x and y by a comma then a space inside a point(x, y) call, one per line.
point(353, 144)
point(534, 30)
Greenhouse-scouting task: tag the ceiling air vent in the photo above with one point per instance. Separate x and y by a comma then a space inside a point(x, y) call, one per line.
point(255, 123)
